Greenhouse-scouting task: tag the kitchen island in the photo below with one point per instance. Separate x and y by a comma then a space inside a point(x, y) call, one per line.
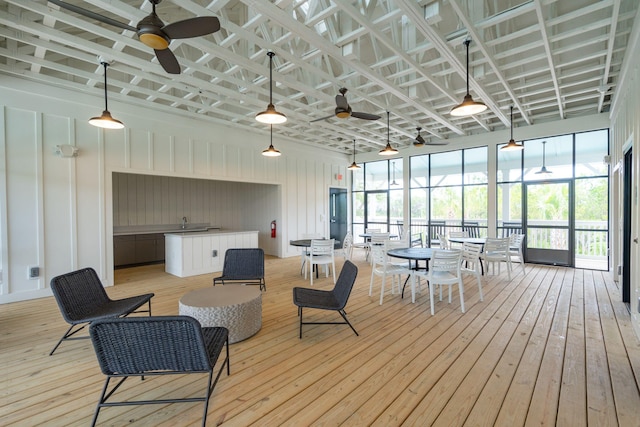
point(200, 252)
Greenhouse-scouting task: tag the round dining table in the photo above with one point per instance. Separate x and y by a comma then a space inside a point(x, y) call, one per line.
point(412, 254)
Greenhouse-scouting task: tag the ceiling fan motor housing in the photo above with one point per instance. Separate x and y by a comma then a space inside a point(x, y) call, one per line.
point(150, 32)
point(342, 113)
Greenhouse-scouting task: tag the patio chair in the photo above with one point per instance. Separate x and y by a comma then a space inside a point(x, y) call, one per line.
point(444, 270)
point(152, 346)
point(82, 299)
point(496, 250)
point(516, 241)
point(471, 263)
point(335, 299)
point(321, 252)
point(347, 246)
point(381, 266)
point(243, 265)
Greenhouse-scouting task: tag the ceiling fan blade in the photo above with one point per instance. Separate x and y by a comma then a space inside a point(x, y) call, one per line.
point(341, 102)
point(168, 61)
point(364, 116)
point(192, 27)
point(323, 118)
point(438, 143)
point(93, 15)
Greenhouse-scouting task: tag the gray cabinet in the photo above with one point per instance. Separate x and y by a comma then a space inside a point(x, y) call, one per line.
point(138, 249)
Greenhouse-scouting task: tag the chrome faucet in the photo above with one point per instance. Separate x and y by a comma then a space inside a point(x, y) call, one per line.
point(184, 222)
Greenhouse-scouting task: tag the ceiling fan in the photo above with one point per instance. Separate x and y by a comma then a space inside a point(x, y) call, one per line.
point(154, 33)
point(343, 109)
point(419, 141)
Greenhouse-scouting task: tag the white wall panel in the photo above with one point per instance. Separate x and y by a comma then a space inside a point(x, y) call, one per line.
point(60, 212)
point(24, 180)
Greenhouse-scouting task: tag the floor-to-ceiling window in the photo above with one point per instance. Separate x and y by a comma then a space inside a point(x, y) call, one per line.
point(556, 192)
point(378, 197)
point(448, 192)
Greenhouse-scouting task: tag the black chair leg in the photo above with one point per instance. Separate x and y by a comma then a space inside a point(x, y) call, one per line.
point(300, 314)
point(344, 316)
point(67, 336)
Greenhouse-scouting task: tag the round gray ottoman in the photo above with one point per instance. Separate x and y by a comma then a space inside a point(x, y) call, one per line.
point(236, 307)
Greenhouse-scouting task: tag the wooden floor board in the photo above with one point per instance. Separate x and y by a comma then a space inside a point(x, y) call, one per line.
point(552, 346)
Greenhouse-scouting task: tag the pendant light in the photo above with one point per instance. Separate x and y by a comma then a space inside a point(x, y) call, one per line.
point(388, 150)
point(354, 166)
point(394, 174)
point(270, 116)
point(105, 120)
point(543, 169)
point(468, 107)
point(271, 151)
point(512, 145)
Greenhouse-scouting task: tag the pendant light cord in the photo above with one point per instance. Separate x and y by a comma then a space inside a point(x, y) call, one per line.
point(104, 63)
point(271, 54)
point(512, 122)
point(387, 128)
point(467, 43)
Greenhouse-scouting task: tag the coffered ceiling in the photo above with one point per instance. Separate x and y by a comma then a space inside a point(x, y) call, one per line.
point(549, 59)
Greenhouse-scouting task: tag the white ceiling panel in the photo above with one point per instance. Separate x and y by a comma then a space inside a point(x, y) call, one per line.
point(549, 59)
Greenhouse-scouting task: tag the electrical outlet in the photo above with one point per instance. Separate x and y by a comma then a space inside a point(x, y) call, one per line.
point(34, 272)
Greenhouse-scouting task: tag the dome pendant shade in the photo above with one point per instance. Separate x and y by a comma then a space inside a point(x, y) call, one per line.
point(354, 165)
point(388, 150)
point(270, 115)
point(468, 107)
point(271, 151)
point(512, 145)
point(106, 121)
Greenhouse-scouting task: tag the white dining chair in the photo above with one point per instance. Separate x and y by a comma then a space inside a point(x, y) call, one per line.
point(305, 251)
point(383, 268)
point(444, 270)
point(321, 252)
point(347, 246)
point(516, 241)
point(496, 251)
point(471, 263)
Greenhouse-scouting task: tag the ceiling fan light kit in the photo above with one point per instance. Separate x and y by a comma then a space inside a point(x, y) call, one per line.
point(468, 107)
point(105, 121)
point(388, 150)
point(512, 145)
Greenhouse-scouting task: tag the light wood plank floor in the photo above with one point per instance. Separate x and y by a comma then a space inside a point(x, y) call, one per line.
point(552, 347)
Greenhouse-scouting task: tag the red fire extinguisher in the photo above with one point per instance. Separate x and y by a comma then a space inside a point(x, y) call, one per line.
point(273, 229)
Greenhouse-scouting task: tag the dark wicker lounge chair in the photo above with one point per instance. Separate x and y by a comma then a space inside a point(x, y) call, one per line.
point(82, 300)
point(243, 265)
point(159, 345)
point(335, 299)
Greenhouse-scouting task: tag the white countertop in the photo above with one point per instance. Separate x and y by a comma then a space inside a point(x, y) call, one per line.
point(207, 232)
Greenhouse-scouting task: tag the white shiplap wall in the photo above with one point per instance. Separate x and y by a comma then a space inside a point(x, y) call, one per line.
point(625, 134)
point(58, 213)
